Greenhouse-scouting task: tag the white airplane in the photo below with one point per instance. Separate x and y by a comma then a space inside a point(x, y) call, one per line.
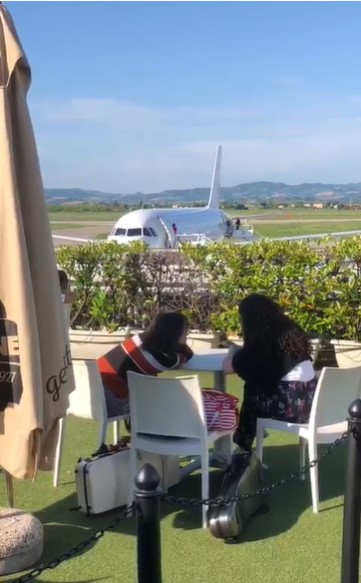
point(165, 228)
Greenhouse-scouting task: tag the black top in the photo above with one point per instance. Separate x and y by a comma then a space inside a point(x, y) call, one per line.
point(260, 372)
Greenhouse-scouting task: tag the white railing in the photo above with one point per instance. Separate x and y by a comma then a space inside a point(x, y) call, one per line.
point(195, 239)
point(245, 233)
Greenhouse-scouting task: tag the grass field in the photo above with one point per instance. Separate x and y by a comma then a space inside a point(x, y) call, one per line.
point(282, 214)
point(79, 217)
point(289, 543)
point(286, 230)
point(300, 213)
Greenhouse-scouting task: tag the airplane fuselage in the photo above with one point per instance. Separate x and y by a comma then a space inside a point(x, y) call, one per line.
point(155, 226)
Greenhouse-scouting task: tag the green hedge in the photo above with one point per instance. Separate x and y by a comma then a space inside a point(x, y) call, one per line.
point(119, 286)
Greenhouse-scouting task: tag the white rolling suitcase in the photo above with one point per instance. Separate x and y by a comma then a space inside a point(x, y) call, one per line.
point(102, 482)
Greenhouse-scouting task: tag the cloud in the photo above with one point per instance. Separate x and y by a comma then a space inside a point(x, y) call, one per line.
point(118, 146)
point(125, 116)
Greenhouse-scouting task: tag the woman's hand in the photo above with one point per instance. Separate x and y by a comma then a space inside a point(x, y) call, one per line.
point(227, 365)
point(186, 351)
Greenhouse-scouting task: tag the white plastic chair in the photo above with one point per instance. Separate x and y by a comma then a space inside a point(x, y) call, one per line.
point(316, 347)
point(87, 401)
point(163, 409)
point(336, 389)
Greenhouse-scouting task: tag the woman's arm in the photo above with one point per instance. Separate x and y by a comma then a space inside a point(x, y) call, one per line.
point(238, 363)
point(185, 351)
point(228, 366)
point(174, 359)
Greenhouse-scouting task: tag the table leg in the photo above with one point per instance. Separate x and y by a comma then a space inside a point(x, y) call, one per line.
point(220, 381)
point(221, 449)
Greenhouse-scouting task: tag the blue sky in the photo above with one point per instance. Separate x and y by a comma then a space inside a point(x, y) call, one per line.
point(135, 96)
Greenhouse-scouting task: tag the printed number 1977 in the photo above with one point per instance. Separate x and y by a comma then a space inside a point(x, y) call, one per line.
point(7, 376)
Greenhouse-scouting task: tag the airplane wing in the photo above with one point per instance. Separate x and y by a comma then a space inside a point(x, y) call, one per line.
point(317, 236)
point(78, 239)
point(300, 237)
point(244, 242)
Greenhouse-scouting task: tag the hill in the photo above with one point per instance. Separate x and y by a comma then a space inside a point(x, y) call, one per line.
point(253, 191)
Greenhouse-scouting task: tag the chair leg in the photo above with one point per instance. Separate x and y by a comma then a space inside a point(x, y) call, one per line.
point(259, 441)
point(103, 431)
point(205, 484)
point(224, 446)
point(312, 454)
point(228, 444)
point(59, 451)
point(302, 445)
point(115, 431)
point(10, 489)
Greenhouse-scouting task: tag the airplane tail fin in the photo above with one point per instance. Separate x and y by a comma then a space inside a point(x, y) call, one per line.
point(215, 194)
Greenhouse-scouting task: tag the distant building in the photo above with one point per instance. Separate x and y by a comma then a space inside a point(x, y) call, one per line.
point(318, 205)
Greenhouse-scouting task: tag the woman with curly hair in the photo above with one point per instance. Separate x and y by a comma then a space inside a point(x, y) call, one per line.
point(275, 363)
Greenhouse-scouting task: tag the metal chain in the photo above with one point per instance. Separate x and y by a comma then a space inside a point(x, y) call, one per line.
point(35, 573)
point(214, 502)
point(220, 501)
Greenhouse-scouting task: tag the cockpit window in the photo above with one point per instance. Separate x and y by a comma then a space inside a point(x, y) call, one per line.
point(147, 233)
point(154, 233)
point(134, 232)
point(119, 232)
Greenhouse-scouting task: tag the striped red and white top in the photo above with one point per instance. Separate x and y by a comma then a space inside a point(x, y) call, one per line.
point(131, 356)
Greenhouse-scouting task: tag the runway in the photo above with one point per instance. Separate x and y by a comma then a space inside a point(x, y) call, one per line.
point(93, 230)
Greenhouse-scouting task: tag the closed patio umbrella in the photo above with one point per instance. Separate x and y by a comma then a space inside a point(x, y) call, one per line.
point(36, 374)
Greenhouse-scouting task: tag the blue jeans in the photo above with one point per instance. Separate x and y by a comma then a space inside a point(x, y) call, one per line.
point(115, 406)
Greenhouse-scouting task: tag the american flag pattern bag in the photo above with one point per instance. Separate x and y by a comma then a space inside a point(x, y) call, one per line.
point(221, 410)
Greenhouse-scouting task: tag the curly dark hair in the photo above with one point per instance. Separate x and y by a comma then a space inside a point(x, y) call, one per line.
point(267, 329)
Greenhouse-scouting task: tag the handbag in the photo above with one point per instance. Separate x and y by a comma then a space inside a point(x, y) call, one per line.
point(221, 410)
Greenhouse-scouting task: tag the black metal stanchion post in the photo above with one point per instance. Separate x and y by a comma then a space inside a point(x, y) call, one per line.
point(351, 513)
point(147, 497)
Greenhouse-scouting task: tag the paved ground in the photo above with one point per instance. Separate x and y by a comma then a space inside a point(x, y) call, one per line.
point(90, 231)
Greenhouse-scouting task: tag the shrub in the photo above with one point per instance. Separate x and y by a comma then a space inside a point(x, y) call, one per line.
point(120, 286)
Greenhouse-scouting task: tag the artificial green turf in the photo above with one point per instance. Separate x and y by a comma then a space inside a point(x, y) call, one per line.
point(289, 544)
